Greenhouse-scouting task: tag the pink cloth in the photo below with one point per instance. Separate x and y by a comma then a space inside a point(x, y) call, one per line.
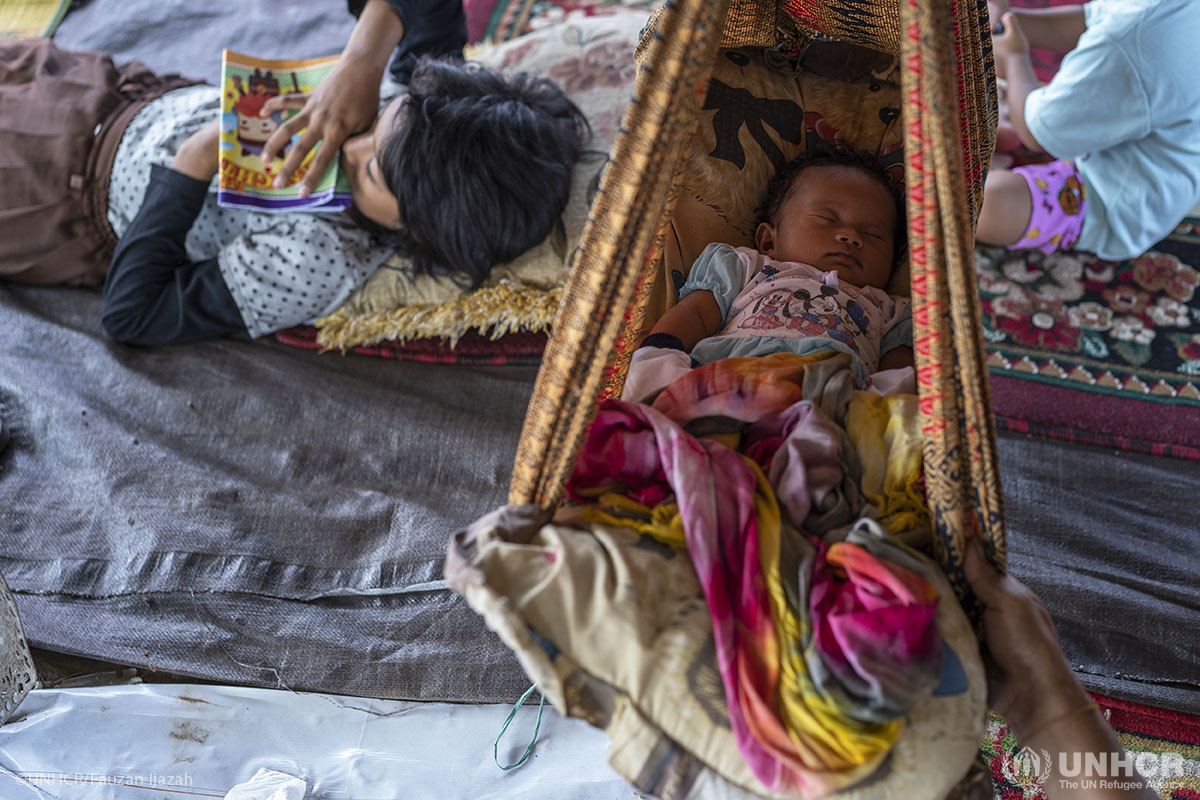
point(873, 634)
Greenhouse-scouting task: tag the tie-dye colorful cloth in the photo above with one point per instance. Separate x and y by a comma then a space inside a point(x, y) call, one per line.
point(822, 648)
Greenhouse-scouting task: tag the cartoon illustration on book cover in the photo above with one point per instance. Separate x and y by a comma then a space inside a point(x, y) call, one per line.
point(253, 130)
point(244, 179)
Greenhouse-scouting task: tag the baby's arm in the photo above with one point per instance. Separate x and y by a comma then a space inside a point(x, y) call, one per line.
point(693, 318)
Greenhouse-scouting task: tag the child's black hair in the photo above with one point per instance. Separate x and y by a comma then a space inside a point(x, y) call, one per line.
point(480, 165)
point(862, 160)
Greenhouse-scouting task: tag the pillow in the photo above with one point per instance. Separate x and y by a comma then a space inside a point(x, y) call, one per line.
point(591, 58)
point(763, 108)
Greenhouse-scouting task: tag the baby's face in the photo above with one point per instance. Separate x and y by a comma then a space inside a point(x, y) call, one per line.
point(836, 219)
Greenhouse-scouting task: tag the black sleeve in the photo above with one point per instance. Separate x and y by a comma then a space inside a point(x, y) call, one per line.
point(431, 28)
point(664, 340)
point(153, 294)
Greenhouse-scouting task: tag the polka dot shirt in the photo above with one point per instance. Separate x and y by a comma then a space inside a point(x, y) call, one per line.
point(282, 269)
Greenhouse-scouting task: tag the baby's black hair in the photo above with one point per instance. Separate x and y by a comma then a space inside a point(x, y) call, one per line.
point(863, 160)
point(480, 165)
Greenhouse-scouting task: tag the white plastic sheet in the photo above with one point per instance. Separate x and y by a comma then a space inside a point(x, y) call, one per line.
point(268, 784)
point(183, 742)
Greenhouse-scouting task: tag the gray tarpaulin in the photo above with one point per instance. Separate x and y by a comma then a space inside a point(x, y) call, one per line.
point(247, 511)
point(1110, 540)
point(187, 37)
point(240, 510)
point(251, 513)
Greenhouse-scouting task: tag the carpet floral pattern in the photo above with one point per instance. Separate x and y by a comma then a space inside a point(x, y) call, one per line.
point(1165, 746)
point(1083, 335)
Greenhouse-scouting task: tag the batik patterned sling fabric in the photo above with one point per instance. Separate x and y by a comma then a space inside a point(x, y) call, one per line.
point(802, 682)
point(949, 113)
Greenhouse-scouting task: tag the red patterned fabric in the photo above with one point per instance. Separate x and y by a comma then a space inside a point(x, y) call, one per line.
point(472, 348)
point(1171, 726)
point(1165, 745)
point(479, 14)
point(1111, 422)
point(1097, 352)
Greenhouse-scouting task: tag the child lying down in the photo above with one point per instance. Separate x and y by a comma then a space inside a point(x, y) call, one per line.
point(831, 236)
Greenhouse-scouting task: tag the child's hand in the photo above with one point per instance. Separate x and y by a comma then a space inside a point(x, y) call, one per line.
point(343, 104)
point(1007, 140)
point(198, 157)
point(1007, 38)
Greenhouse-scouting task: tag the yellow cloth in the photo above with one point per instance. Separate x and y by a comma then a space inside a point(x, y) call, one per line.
point(886, 434)
point(821, 734)
point(662, 523)
point(30, 19)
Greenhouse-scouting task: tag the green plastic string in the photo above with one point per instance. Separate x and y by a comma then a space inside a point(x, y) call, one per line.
point(529, 747)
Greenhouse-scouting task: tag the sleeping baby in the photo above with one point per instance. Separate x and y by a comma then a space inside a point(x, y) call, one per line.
point(829, 241)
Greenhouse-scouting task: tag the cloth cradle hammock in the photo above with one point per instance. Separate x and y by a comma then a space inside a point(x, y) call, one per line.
point(948, 118)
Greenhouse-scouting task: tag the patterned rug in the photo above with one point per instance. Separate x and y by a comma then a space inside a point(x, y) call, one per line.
point(473, 348)
point(1165, 746)
point(498, 21)
point(1094, 351)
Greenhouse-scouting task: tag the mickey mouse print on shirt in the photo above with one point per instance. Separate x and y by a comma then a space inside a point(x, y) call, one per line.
point(793, 301)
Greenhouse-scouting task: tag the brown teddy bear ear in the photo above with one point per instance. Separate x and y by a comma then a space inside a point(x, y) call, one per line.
point(751, 124)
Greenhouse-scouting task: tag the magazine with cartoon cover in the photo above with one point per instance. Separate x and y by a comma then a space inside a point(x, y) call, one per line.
point(245, 181)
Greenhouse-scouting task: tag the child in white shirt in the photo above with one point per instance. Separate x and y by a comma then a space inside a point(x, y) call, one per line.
point(1121, 116)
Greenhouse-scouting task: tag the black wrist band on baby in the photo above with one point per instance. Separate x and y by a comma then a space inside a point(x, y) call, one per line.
point(664, 340)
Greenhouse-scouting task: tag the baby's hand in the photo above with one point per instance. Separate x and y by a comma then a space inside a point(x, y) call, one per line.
point(1007, 37)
